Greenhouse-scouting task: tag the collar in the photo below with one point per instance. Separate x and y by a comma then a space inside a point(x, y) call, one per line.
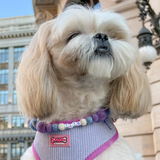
point(42, 127)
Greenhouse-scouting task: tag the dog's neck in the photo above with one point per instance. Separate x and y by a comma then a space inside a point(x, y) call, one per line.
point(72, 103)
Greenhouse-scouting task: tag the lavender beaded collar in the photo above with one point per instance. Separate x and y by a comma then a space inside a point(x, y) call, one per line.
point(42, 127)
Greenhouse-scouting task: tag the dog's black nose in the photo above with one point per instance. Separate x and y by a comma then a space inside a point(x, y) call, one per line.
point(103, 45)
point(101, 40)
point(100, 36)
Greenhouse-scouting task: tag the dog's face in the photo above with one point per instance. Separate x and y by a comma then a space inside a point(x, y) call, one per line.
point(92, 43)
point(82, 49)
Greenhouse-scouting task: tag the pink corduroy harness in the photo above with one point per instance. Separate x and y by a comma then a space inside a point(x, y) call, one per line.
point(84, 143)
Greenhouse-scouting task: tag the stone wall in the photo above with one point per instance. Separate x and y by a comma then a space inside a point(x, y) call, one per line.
point(142, 134)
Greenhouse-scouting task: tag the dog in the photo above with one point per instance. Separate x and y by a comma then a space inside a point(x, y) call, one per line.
point(75, 64)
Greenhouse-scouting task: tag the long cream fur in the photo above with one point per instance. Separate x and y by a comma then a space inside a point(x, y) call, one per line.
point(129, 94)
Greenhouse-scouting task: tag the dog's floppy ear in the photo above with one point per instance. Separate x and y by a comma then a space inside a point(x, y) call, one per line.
point(35, 81)
point(130, 95)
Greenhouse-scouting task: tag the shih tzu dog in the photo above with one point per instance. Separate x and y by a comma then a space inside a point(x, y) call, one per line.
point(79, 72)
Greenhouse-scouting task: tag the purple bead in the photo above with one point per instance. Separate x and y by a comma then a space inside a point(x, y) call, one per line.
point(49, 128)
point(41, 127)
point(95, 117)
point(102, 115)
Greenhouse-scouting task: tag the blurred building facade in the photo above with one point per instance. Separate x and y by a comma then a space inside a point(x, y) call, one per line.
point(15, 136)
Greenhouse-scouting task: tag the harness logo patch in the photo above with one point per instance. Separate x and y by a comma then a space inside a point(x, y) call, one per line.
point(59, 141)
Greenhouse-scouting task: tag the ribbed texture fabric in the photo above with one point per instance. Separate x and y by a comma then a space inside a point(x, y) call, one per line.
point(84, 141)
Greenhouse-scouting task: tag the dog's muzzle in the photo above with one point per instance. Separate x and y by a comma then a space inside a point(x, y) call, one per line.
point(103, 46)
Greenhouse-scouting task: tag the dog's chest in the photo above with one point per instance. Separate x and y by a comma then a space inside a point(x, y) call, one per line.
point(86, 143)
point(73, 104)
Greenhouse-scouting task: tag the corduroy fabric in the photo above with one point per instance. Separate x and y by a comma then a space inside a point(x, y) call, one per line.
point(86, 142)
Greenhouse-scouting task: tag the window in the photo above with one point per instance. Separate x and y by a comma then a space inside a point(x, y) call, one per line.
point(3, 76)
point(15, 74)
point(15, 97)
point(18, 122)
point(4, 55)
point(4, 97)
point(16, 150)
point(3, 122)
point(3, 150)
point(18, 53)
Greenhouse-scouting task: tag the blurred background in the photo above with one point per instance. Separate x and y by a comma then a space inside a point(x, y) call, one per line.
point(19, 20)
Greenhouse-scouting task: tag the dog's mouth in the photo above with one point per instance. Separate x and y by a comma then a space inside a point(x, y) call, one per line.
point(103, 52)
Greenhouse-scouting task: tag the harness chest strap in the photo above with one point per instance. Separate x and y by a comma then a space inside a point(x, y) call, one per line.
point(86, 143)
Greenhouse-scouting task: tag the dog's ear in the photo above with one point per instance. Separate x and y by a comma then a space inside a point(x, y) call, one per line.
point(130, 95)
point(36, 80)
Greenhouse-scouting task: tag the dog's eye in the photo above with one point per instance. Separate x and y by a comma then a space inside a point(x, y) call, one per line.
point(72, 36)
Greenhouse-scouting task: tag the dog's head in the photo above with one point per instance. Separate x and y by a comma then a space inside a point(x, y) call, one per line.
point(82, 44)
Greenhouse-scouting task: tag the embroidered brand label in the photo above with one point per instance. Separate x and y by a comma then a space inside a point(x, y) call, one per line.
point(59, 141)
